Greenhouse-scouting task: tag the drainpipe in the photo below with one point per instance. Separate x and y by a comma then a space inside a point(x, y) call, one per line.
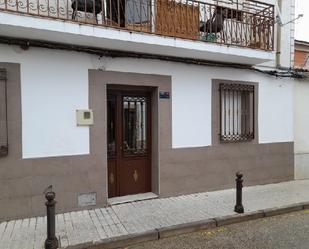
point(278, 45)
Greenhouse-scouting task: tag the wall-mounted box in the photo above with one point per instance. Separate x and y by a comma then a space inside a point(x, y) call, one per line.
point(88, 199)
point(84, 117)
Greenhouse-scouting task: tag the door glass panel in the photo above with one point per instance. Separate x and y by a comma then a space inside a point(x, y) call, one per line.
point(111, 126)
point(134, 125)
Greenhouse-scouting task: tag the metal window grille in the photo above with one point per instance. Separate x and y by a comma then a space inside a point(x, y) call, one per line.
point(3, 114)
point(236, 112)
point(135, 123)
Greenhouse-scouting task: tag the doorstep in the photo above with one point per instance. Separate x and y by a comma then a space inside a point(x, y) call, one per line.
point(131, 198)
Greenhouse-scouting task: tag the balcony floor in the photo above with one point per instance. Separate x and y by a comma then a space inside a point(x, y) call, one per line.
point(29, 27)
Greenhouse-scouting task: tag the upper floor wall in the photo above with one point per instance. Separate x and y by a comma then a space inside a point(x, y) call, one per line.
point(284, 35)
point(240, 31)
point(285, 44)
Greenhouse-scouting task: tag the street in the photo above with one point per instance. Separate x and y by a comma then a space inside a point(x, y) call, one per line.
point(285, 232)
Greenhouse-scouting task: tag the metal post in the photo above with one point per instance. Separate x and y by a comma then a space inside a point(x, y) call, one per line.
point(51, 242)
point(239, 207)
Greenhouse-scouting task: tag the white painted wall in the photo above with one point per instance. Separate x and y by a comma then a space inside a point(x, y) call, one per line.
point(301, 131)
point(55, 84)
point(287, 34)
point(192, 100)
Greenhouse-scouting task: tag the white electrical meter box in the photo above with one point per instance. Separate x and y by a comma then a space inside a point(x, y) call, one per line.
point(84, 117)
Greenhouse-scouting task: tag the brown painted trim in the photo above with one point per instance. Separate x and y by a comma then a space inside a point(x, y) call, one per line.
point(3, 113)
point(12, 77)
point(215, 110)
point(142, 89)
point(104, 80)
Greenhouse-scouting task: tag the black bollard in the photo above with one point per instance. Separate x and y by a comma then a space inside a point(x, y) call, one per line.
point(51, 242)
point(239, 207)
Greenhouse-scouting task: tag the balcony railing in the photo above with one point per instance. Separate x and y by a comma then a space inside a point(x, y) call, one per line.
point(244, 23)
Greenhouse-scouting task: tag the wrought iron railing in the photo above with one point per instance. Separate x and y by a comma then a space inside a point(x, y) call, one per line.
point(245, 23)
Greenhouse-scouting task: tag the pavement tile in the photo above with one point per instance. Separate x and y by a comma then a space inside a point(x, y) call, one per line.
point(168, 215)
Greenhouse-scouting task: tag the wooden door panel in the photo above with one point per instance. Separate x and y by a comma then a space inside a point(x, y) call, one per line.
point(112, 177)
point(133, 177)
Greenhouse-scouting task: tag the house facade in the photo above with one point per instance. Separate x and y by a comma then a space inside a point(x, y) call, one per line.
point(301, 120)
point(113, 99)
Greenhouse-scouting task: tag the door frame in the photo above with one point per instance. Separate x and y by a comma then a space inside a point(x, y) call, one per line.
point(120, 91)
point(161, 125)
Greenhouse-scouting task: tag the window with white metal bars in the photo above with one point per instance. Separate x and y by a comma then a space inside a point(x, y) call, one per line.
point(236, 112)
point(3, 114)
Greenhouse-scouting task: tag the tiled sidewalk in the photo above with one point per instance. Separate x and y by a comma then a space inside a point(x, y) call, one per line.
point(94, 225)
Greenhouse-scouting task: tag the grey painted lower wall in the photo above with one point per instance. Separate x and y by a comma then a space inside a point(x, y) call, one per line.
point(177, 171)
point(211, 168)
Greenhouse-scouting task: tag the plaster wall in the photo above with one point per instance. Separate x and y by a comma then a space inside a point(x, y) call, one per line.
point(287, 34)
point(55, 83)
point(301, 121)
point(47, 148)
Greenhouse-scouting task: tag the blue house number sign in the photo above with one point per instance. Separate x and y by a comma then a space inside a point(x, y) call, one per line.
point(164, 95)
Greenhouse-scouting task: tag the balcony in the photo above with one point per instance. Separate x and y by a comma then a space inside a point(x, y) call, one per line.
point(246, 24)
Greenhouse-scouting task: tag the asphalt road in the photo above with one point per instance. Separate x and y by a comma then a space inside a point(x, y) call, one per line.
point(287, 231)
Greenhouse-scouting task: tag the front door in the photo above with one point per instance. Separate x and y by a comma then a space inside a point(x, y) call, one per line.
point(128, 142)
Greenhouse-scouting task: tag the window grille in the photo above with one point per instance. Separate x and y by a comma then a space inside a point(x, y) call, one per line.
point(3, 114)
point(236, 112)
point(135, 123)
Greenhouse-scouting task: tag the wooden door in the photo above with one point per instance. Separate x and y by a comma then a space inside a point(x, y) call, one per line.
point(128, 142)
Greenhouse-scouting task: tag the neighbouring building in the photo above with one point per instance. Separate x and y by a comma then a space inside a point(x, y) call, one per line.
point(114, 98)
point(301, 59)
point(301, 112)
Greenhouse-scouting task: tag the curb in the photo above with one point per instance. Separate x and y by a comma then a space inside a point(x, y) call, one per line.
point(119, 241)
point(165, 232)
point(237, 218)
point(283, 210)
point(190, 227)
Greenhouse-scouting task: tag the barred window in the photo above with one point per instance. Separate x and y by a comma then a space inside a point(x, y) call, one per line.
point(3, 114)
point(236, 112)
